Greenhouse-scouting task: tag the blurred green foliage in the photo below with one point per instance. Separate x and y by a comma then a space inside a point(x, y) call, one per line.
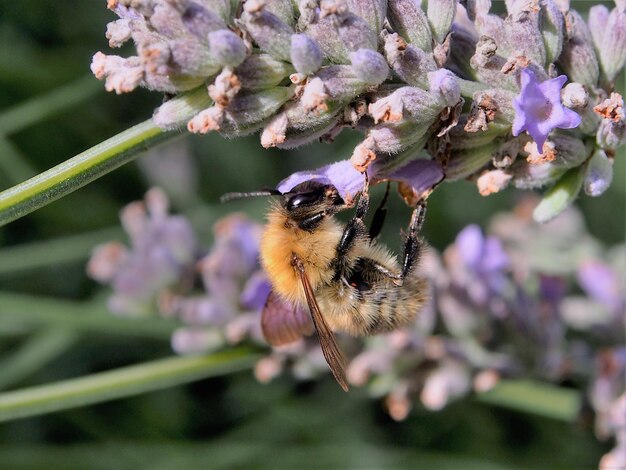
point(230, 422)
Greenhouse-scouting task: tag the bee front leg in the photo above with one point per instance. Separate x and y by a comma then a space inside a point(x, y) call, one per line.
point(354, 229)
point(379, 216)
point(413, 244)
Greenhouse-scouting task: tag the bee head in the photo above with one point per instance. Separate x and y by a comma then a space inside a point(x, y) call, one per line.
point(309, 198)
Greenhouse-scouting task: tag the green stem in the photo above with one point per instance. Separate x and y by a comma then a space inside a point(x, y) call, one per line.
point(76, 172)
point(537, 398)
point(29, 310)
point(35, 353)
point(119, 383)
point(47, 105)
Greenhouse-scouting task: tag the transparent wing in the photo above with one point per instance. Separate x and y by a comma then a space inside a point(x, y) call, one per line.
point(330, 348)
point(282, 322)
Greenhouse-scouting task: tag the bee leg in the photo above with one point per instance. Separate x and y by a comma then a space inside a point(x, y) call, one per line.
point(379, 216)
point(355, 228)
point(413, 244)
point(312, 222)
point(395, 277)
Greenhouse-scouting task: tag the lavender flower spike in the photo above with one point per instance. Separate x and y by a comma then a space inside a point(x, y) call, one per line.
point(538, 108)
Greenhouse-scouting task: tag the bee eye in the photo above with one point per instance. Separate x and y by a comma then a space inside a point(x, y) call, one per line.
point(302, 199)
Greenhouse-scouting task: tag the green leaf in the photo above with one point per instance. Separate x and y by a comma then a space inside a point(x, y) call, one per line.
point(53, 252)
point(119, 383)
point(76, 172)
point(560, 196)
point(47, 105)
point(35, 353)
point(536, 398)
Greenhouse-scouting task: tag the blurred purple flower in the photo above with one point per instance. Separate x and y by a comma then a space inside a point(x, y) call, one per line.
point(538, 108)
point(602, 283)
point(482, 254)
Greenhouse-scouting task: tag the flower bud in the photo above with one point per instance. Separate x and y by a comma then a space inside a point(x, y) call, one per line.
point(611, 51)
point(407, 104)
point(227, 48)
point(599, 174)
point(261, 71)
point(371, 11)
point(356, 34)
point(407, 18)
point(598, 18)
point(578, 58)
point(492, 26)
point(493, 181)
point(493, 105)
point(445, 84)
point(339, 32)
point(275, 132)
point(482, 132)
point(191, 57)
point(177, 111)
point(118, 32)
point(488, 65)
point(462, 47)
point(440, 15)
point(552, 30)
point(523, 35)
point(121, 75)
point(410, 63)
point(248, 109)
point(560, 196)
point(283, 9)
point(612, 130)
point(305, 127)
point(270, 33)
point(306, 55)
point(244, 113)
point(326, 34)
point(575, 96)
point(200, 21)
point(369, 66)
point(535, 175)
point(563, 150)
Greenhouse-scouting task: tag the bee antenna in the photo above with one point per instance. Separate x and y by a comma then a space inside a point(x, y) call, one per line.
point(232, 196)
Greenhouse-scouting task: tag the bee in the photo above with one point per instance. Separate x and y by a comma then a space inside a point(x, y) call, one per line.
point(328, 277)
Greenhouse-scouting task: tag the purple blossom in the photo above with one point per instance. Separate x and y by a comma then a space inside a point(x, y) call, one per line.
point(602, 283)
point(538, 108)
point(419, 174)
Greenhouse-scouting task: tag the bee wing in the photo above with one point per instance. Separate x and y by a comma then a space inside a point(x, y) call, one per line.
point(330, 348)
point(282, 322)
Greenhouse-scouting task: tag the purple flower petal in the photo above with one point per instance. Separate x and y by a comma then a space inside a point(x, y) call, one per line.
point(494, 256)
point(255, 291)
point(538, 108)
point(602, 283)
point(341, 175)
point(470, 242)
point(420, 174)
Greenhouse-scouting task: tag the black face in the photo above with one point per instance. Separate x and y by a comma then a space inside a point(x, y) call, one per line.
point(311, 195)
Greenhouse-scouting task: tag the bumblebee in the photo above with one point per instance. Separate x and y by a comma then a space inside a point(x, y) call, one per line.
point(327, 277)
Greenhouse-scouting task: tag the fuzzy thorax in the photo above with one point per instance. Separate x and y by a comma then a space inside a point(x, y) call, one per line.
point(281, 238)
